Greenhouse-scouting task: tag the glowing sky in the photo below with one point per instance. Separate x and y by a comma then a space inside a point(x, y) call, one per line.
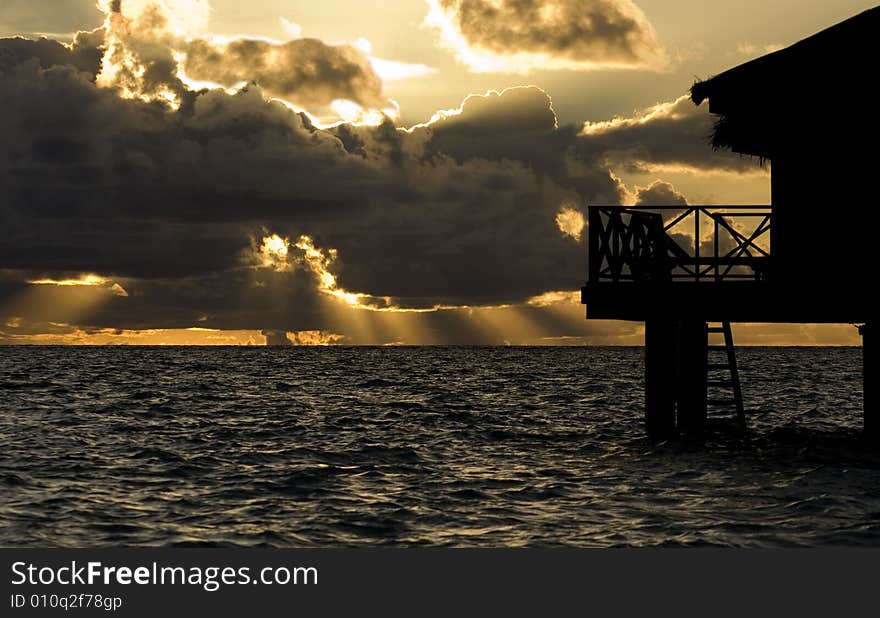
point(195, 172)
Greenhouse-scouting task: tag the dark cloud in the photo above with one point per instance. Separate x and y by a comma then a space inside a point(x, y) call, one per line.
point(527, 110)
point(564, 32)
point(171, 204)
point(95, 183)
point(520, 125)
point(305, 72)
point(84, 53)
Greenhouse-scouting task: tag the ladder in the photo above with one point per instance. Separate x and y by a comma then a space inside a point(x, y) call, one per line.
point(727, 365)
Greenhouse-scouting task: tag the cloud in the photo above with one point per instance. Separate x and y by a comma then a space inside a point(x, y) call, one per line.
point(659, 193)
point(83, 54)
point(66, 334)
point(276, 338)
point(84, 281)
point(668, 137)
point(314, 337)
point(366, 225)
point(171, 202)
point(753, 50)
point(522, 35)
point(571, 221)
point(154, 46)
point(184, 16)
point(305, 72)
point(519, 124)
point(292, 30)
point(393, 71)
point(138, 60)
point(155, 51)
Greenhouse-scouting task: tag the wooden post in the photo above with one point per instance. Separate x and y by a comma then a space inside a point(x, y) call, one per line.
point(872, 418)
point(660, 361)
point(693, 348)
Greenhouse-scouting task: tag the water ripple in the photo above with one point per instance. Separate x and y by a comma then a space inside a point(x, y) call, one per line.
point(420, 446)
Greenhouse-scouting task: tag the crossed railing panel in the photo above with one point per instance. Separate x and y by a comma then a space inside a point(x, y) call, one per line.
point(673, 243)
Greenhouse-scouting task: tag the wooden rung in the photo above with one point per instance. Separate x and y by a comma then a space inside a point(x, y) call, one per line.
point(718, 348)
point(719, 383)
point(718, 366)
point(714, 329)
point(720, 402)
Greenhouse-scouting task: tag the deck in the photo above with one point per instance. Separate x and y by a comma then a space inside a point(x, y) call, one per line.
point(646, 262)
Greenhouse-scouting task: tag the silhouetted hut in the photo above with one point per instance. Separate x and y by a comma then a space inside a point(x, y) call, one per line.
point(808, 112)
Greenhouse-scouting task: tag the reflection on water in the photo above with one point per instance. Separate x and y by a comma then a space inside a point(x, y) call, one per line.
point(412, 446)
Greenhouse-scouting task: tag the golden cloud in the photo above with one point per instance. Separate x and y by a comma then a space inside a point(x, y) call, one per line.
point(571, 221)
point(519, 36)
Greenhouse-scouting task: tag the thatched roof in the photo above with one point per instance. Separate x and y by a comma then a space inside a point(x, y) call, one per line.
point(792, 98)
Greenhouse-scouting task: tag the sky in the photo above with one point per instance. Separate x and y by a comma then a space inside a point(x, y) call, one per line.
point(349, 172)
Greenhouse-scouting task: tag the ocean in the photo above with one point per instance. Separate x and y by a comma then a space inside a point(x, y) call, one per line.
point(491, 447)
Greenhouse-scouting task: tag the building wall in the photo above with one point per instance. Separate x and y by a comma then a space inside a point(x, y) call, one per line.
point(823, 219)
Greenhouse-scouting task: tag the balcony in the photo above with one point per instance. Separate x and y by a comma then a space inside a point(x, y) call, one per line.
point(707, 262)
point(698, 244)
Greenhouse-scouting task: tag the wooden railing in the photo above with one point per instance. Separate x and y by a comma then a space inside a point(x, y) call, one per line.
point(673, 243)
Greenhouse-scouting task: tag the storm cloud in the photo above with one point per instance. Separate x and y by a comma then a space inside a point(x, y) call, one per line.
point(173, 200)
point(138, 191)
